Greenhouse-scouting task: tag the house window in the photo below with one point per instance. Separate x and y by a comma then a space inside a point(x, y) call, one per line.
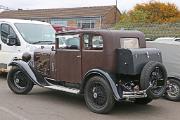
point(86, 23)
point(59, 22)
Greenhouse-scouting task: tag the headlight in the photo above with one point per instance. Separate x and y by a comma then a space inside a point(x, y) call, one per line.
point(26, 57)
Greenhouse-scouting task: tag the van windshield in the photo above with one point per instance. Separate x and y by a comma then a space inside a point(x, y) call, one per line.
point(36, 33)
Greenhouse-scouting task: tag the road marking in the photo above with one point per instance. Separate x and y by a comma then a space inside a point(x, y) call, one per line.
point(12, 113)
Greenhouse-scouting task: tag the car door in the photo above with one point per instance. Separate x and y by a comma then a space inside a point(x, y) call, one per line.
point(92, 52)
point(68, 59)
point(7, 52)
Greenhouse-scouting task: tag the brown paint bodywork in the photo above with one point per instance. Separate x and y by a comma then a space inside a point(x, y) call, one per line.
point(71, 65)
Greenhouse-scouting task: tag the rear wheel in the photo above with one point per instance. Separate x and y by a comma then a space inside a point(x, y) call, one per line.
point(173, 90)
point(98, 95)
point(154, 74)
point(18, 82)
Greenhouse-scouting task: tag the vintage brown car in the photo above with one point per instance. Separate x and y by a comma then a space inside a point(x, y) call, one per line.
point(103, 65)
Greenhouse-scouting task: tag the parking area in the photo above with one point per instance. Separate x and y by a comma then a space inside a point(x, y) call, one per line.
point(45, 104)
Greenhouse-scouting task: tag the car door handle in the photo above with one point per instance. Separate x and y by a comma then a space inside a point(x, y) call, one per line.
point(78, 56)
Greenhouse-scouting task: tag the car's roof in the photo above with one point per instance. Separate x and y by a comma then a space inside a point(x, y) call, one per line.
point(22, 21)
point(102, 31)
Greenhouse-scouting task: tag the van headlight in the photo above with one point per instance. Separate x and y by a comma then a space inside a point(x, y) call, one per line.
point(26, 57)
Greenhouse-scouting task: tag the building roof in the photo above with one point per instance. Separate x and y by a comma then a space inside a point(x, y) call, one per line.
point(22, 21)
point(58, 12)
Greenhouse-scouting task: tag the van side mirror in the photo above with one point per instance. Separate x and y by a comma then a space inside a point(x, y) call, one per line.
point(57, 43)
point(12, 40)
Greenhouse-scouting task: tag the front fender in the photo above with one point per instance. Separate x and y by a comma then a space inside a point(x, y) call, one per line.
point(105, 75)
point(29, 71)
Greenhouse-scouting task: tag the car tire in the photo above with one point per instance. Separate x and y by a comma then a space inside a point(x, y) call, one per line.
point(18, 81)
point(143, 101)
point(98, 95)
point(173, 90)
point(154, 73)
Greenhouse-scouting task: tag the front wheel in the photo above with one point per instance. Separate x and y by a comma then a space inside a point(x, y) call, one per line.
point(173, 90)
point(98, 95)
point(18, 82)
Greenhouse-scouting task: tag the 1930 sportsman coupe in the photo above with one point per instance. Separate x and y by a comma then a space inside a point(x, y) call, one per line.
point(103, 65)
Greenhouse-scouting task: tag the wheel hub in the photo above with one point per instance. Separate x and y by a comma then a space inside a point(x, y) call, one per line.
point(173, 90)
point(157, 80)
point(17, 80)
point(95, 95)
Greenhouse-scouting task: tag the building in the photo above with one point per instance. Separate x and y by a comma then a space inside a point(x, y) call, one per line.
point(82, 17)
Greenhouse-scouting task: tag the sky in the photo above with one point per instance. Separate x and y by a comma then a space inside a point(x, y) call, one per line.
point(123, 5)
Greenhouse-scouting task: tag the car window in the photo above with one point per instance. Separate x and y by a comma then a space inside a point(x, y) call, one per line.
point(69, 41)
point(6, 30)
point(93, 42)
point(129, 43)
point(178, 40)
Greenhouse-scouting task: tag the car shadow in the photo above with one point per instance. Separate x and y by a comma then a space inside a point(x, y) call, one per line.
point(120, 109)
point(3, 76)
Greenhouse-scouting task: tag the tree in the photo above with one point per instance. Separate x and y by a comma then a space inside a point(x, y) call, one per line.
point(156, 12)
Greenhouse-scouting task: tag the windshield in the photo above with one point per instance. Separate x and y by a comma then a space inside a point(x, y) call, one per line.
point(36, 33)
point(69, 41)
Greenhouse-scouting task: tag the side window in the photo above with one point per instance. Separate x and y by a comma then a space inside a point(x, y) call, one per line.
point(93, 42)
point(6, 30)
point(129, 42)
point(4, 33)
point(69, 41)
point(178, 40)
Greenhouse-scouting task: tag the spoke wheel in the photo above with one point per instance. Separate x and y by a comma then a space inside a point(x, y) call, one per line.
point(154, 74)
point(18, 82)
point(173, 90)
point(98, 95)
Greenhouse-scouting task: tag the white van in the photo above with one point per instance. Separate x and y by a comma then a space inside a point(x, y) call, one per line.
point(19, 36)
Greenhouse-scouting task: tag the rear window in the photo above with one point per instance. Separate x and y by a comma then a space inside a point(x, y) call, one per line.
point(129, 42)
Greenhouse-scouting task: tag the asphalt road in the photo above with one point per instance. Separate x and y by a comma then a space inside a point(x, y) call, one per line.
point(45, 104)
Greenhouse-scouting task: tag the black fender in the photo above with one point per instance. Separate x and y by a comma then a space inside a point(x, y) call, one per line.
point(31, 73)
point(109, 77)
point(176, 77)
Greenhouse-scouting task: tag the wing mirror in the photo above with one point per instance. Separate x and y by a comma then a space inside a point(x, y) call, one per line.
point(12, 40)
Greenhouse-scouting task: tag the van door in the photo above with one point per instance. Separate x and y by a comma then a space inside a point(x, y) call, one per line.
point(7, 52)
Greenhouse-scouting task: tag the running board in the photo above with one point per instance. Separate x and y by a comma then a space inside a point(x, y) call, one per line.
point(65, 89)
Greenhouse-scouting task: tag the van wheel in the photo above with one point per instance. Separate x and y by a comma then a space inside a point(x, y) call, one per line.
point(98, 95)
point(18, 82)
point(153, 73)
point(143, 101)
point(173, 90)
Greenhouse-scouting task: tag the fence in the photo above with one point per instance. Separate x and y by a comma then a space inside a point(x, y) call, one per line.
point(154, 31)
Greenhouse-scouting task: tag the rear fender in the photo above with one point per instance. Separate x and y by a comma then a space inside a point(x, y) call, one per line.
point(106, 76)
point(31, 74)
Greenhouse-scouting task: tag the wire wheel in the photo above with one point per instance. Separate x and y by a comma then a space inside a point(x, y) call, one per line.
point(98, 95)
point(18, 82)
point(157, 80)
point(153, 75)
